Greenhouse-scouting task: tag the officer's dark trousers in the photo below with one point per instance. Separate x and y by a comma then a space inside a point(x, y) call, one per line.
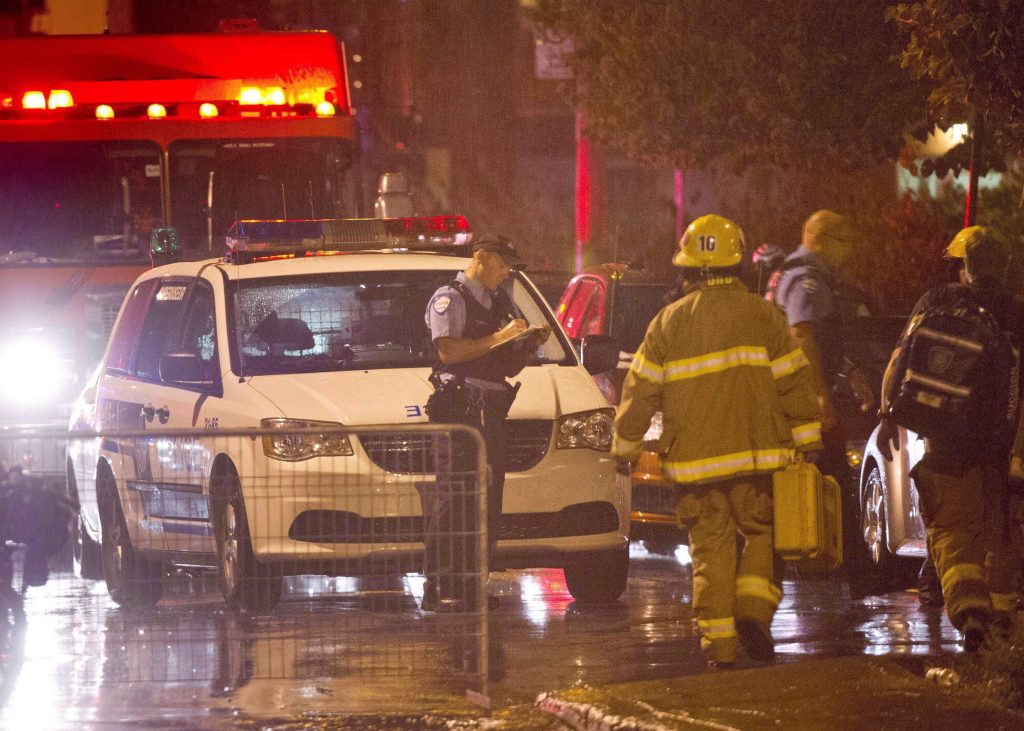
point(450, 505)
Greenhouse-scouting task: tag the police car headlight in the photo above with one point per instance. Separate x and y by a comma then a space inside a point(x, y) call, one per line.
point(586, 430)
point(297, 442)
point(32, 372)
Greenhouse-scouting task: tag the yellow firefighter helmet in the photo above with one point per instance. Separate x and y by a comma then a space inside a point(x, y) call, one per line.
point(710, 241)
point(966, 238)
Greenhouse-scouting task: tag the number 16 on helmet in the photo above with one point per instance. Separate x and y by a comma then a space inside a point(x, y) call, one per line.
point(711, 241)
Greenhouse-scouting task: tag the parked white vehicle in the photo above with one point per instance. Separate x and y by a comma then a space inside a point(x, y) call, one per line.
point(890, 511)
point(270, 338)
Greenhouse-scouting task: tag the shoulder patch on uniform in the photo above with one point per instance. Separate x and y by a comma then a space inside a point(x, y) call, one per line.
point(441, 304)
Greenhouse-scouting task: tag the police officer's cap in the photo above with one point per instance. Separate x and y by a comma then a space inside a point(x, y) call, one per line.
point(503, 246)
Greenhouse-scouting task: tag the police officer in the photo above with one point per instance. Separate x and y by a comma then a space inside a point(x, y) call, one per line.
point(818, 302)
point(472, 322)
point(965, 503)
point(736, 395)
point(811, 291)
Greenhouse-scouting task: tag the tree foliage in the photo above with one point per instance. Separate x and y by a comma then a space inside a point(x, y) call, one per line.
point(796, 83)
point(972, 52)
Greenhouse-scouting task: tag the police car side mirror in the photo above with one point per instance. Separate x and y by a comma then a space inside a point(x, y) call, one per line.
point(599, 353)
point(183, 368)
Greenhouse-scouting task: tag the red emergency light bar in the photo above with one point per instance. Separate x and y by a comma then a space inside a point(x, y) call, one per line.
point(243, 74)
point(262, 240)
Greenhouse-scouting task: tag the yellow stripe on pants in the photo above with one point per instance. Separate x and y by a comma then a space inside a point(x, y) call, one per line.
point(717, 629)
point(758, 587)
point(961, 572)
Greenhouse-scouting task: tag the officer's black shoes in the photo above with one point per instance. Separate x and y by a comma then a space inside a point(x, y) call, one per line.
point(973, 628)
point(756, 640)
point(929, 596)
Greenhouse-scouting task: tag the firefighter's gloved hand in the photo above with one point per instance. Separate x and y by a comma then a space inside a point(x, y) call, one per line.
point(888, 437)
point(811, 457)
point(626, 449)
point(1016, 468)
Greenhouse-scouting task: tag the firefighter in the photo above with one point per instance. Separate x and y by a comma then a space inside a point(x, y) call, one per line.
point(737, 400)
point(965, 502)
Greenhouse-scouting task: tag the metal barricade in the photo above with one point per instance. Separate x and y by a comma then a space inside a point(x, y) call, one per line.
point(283, 553)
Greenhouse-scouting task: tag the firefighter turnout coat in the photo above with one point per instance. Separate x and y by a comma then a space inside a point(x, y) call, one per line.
point(736, 400)
point(733, 387)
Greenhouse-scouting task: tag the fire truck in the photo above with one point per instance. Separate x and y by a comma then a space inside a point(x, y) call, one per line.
point(108, 141)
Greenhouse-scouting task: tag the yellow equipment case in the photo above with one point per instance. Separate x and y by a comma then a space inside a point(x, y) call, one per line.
point(807, 513)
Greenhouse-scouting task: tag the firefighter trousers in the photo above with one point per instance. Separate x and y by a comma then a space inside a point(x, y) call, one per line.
point(729, 520)
point(972, 537)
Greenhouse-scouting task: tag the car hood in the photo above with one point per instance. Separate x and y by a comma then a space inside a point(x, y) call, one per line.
point(395, 396)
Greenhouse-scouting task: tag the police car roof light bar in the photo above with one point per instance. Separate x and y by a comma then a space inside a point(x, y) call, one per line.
point(301, 237)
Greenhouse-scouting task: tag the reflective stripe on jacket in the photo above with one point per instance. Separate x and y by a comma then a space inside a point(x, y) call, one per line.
point(732, 385)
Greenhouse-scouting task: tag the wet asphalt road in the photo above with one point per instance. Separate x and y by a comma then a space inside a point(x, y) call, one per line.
point(363, 646)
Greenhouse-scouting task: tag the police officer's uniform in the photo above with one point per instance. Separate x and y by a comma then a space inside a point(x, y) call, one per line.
point(464, 308)
point(808, 292)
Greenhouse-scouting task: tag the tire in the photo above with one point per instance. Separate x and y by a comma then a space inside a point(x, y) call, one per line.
point(883, 572)
point(86, 556)
point(132, 581)
point(600, 580)
point(857, 568)
point(244, 582)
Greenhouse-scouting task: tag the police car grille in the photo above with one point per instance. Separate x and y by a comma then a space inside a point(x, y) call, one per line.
point(581, 519)
point(414, 453)
point(335, 526)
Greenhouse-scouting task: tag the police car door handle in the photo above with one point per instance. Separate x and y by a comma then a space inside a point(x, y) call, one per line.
point(163, 413)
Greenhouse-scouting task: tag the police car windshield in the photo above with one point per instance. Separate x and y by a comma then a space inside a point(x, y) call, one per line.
point(351, 321)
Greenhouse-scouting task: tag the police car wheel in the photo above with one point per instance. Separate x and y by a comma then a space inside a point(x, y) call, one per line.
point(85, 553)
point(244, 582)
point(600, 580)
point(86, 557)
point(132, 581)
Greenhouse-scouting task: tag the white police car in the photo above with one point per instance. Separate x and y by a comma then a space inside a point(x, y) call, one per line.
point(314, 324)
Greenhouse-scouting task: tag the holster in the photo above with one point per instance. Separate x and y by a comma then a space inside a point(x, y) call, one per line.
point(501, 401)
point(451, 402)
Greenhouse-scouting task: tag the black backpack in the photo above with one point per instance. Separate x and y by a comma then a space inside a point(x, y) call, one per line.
point(956, 378)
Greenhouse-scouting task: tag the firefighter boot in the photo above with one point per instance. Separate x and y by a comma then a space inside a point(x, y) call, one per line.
point(756, 639)
point(974, 628)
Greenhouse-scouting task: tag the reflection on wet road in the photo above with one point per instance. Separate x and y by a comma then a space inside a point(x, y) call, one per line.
point(353, 645)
